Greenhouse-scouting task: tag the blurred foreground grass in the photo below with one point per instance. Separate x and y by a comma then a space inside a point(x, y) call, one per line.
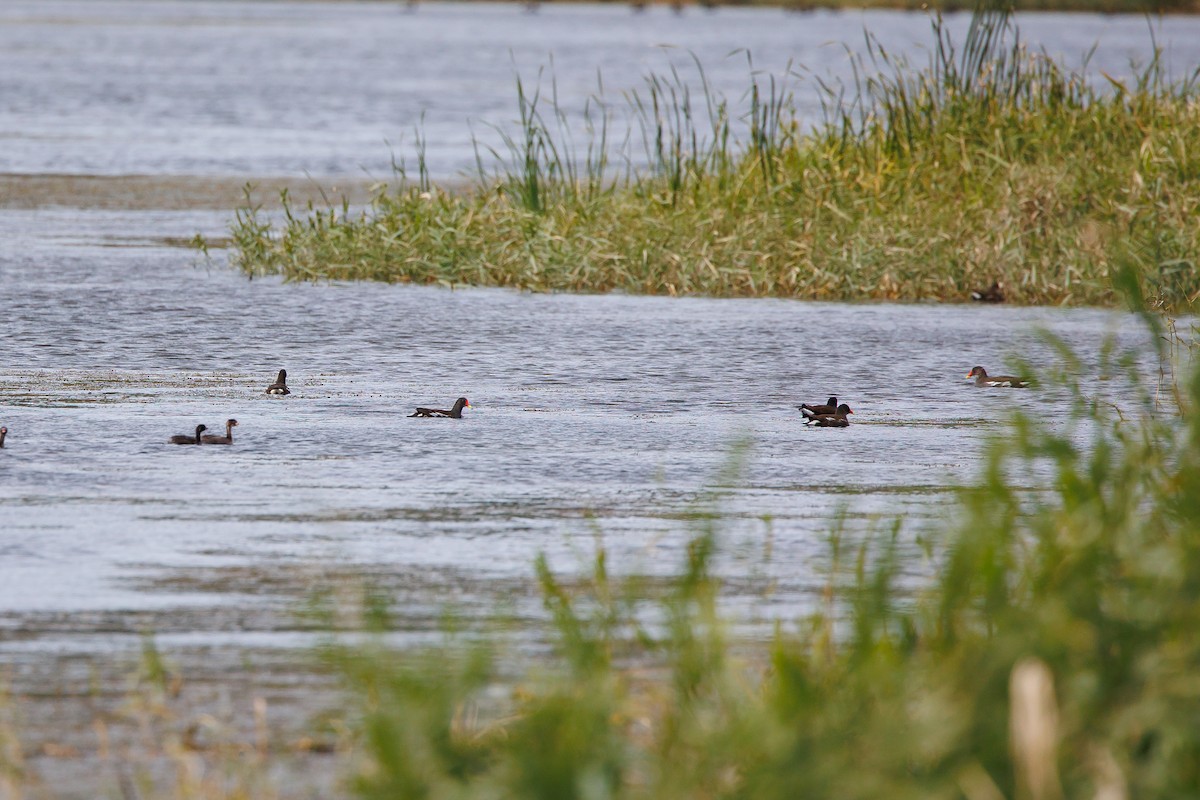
point(1054, 655)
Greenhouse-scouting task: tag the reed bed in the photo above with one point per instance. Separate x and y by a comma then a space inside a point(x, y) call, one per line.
point(989, 164)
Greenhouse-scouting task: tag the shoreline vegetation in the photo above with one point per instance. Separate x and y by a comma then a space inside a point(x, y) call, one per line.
point(990, 164)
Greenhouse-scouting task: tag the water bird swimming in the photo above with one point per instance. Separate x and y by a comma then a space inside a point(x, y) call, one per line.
point(830, 407)
point(183, 438)
point(983, 379)
point(993, 294)
point(835, 420)
point(213, 438)
point(454, 413)
point(280, 384)
point(3, 433)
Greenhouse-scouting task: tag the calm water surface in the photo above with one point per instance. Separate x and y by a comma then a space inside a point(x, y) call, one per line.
point(594, 417)
point(589, 413)
point(276, 88)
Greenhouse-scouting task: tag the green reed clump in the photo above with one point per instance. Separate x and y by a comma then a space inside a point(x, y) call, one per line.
point(989, 164)
point(1051, 655)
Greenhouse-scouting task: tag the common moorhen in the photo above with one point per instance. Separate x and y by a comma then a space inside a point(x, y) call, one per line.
point(454, 413)
point(280, 384)
point(830, 407)
point(183, 438)
point(835, 420)
point(983, 379)
point(212, 438)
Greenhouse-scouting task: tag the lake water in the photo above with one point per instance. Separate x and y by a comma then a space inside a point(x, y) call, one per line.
point(274, 88)
point(594, 418)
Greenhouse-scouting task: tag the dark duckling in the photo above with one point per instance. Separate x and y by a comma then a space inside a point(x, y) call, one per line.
point(993, 294)
point(280, 384)
point(454, 413)
point(830, 407)
point(835, 420)
point(211, 438)
point(185, 439)
point(983, 379)
point(3, 433)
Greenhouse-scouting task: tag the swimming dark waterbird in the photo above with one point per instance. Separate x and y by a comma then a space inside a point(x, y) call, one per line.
point(837, 419)
point(212, 438)
point(3, 433)
point(182, 438)
point(1008, 381)
point(830, 407)
point(454, 413)
point(993, 294)
point(280, 384)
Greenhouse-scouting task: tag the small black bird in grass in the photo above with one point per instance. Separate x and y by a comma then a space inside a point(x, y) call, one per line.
point(993, 294)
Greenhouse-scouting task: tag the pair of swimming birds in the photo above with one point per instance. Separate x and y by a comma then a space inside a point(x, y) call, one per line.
point(834, 415)
point(830, 415)
point(201, 438)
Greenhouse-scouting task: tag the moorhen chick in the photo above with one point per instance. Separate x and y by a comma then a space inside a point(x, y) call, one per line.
point(213, 438)
point(183, 438)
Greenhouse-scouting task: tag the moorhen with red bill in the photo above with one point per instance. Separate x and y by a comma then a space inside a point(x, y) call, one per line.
point(835, 420)
point(454, 413)
point(983, 379)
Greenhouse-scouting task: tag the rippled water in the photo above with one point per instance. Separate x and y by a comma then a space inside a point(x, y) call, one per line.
point(612, 408)
point(592, 415)
point(275, 88)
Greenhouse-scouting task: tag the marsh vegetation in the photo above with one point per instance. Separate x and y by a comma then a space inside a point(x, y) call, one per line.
point(990, 164)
